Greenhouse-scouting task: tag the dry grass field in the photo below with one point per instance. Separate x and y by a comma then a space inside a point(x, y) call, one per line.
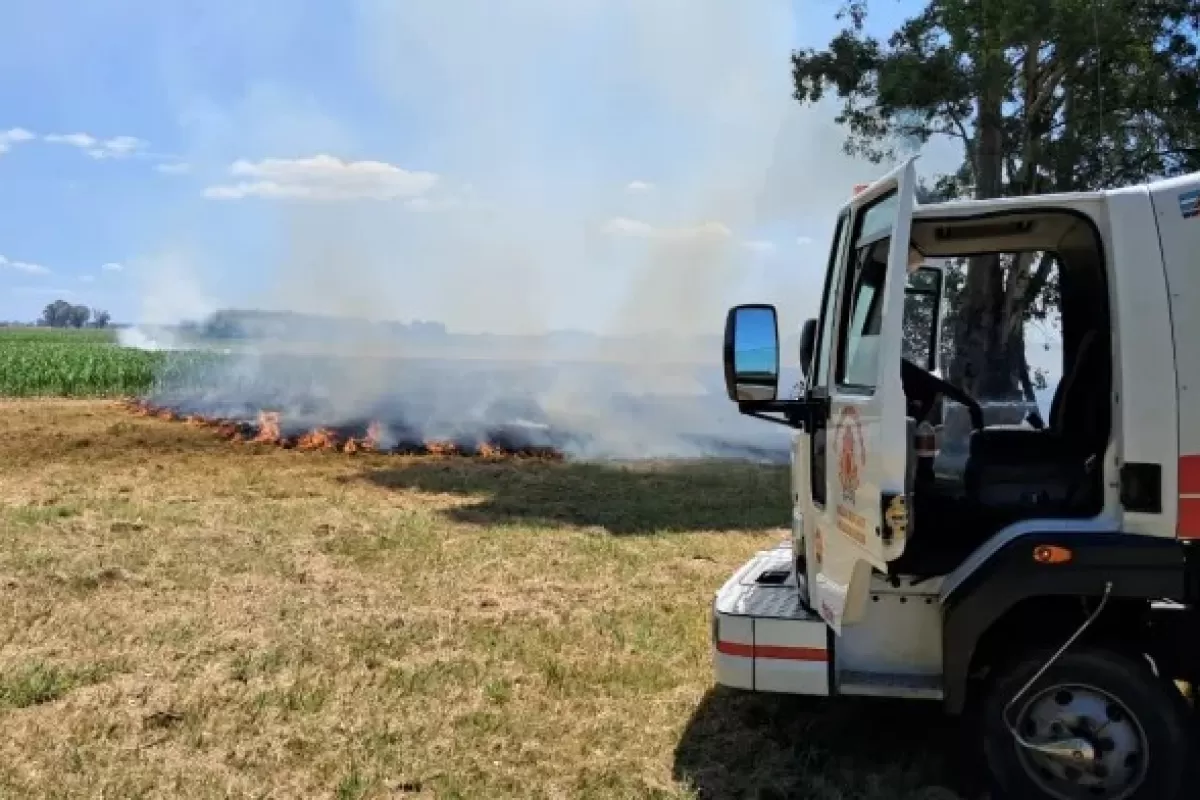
point(186, 617)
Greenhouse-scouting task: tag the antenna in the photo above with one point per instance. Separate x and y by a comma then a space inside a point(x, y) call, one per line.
point(1106, 162)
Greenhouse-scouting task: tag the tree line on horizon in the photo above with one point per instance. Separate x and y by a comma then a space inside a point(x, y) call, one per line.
point(61, 314)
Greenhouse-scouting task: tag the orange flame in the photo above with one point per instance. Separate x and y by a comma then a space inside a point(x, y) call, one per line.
point(490, 451)
point(318, 439)
point(437, 448)
point(269, 431)
point(374, 435)
point(268, 428)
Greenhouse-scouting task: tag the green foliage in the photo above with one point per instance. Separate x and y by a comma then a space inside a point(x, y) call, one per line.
point(73, 369)
point(61, 314)
point(37, 362)
point(1044, 96)
point(43, 335)
point(1082, 93)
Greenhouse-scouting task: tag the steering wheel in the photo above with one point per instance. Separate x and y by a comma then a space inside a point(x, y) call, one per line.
point(924, 385)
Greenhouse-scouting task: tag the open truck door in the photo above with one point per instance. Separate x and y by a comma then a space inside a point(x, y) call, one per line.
point(863, 521)
point(853, 410)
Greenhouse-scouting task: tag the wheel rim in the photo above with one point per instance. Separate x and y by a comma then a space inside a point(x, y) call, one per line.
point(1116, 736)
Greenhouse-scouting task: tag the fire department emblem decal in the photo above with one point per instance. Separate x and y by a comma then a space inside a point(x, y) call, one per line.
point(852, 455)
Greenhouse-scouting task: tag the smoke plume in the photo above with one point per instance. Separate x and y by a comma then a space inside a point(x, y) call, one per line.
point(577, 191)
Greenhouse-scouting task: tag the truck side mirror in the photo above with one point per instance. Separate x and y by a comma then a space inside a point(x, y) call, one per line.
point(808, 340)
point(751, 353)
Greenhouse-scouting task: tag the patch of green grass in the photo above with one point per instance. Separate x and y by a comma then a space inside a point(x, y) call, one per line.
point(37, 682)
point(37, 515)
point(354, 785)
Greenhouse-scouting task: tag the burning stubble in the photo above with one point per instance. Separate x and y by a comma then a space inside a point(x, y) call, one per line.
point(269, 428)
point(599, 167)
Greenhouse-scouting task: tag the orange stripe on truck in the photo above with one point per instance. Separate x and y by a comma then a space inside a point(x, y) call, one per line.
point(1188, 523)
point(1189, 474)
point(780, 652)
point(1189, 518)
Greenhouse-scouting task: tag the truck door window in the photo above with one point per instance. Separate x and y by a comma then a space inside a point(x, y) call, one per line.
point(921, 319)
point(820, 375)
point(819, 384)
point(858, 347)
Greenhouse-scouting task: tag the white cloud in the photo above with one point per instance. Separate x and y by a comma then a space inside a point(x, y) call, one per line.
point(323, 177)
point(114, 147)
point(87, 278)
point(80, 140)
point(804, 241)
point(12, 136)
point(759, 246)
point(112, 266)
point(174, 168)
point(23, 266)
point(623, 226)
point(639, 186)
point(117, 147)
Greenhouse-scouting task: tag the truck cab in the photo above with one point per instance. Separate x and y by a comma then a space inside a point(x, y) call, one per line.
point(1041, 571)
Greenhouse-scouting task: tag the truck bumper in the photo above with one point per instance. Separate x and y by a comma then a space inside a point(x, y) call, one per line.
point(764, 636)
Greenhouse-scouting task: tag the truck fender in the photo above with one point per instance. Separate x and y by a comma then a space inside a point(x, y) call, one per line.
point(1053, 562)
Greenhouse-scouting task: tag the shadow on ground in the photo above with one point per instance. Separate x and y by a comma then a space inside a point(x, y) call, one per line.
point(624, 499)
point(771, 747)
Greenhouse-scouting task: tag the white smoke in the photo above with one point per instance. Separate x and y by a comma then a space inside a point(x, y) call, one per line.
point(139, 338)
point(537, 116)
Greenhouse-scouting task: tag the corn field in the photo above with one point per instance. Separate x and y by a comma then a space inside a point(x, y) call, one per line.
point(22, 335)
point(38, 363)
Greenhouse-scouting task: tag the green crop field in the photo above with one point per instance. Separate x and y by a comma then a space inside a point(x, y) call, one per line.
point(78, 369)
point(22, 335)
point(48, 362)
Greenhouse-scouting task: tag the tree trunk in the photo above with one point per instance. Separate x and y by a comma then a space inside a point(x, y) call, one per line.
point(1027, 384)
point(982, 365)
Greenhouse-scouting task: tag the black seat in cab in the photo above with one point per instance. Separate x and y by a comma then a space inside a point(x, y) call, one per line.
point(1015, 472)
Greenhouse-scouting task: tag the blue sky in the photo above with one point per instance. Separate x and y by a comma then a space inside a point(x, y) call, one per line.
point(597, 164)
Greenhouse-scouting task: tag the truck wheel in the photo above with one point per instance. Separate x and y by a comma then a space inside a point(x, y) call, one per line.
point(1135, 722)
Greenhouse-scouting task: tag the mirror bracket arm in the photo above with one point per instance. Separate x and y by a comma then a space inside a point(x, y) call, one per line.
point(801, 414)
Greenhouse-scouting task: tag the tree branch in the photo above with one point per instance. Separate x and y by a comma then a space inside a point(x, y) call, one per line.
point(1023, 288)
point(1037, 281)
point(1045, 92)
point(968, 142)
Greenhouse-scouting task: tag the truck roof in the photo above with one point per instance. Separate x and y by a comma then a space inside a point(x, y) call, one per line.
point(961, 208)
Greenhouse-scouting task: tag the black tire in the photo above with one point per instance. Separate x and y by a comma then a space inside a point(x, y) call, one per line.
point(1159, 717)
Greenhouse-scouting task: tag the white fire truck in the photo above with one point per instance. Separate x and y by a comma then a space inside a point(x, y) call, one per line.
point(1050, 585)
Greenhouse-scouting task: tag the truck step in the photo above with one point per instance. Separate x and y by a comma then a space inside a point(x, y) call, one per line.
point(767, 587)
point(879, 684)
point(764, 636)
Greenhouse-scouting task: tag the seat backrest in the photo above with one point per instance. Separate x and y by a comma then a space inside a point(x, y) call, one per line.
point(1080, 410)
